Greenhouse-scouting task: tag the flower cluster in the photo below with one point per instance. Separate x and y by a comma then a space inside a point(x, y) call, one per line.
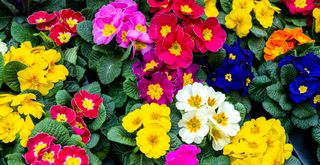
point(306, 85)
point(42, 68)
point(259, 141)
point(235, 72)
point(304, 7)
point(43, 150)
point(11, 123)
point(61, 25)
point(206, 111)
point(123, 20)
point(281, 41)
point(157, 83)
point(185, 154)
point(240, 20)
point(152, 139)
point(84, 105)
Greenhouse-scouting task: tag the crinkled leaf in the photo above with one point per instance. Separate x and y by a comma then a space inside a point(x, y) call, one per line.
point(285, 103)
point(303, 110)
point(287, 74)
point(258, 32)
point(220, 160)
point(131, 89)
point(316, 133)
point(108, 69)
point(175, 142)
point(273, 108)
point(256, 45)
point(10, 76)
point(84, 29)
point(120, 135)
point(93, 88)
point(305, 123)
point(118, 95)
point(275, 91)
point(139, 159)
point(21, 33)
point(94, 139)
point(70, 55)
point(97, 123)
point(292, 161)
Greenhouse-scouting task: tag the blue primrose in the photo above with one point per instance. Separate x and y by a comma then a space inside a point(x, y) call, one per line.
point(308, 65)
point(303, 88)
point(236, 54)
point(289, 59)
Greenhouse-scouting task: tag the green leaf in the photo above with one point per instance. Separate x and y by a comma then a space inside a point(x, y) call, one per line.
point(242, 109)
point(127, 71)
point(298, 21)
point(53, 128)
point(226, 5)
point(4, 21)
point(256, 45)
point(93, 88)
point(132, 107)
point(131, 89)
point(70, 55)
point(127, 53)
point(75, 140)
point(275, 91)
point(51, 5)
point(175, 142)
point(119, 135)
point(96, 4)
point(97, 123)
point(93, 59)
point(306, 122)
point(21, 33)
point(318, 153)
point(273, 108)
point(94, 139)
point(108, 103)
point(292, 161)
point(316, 133)
point(304, 110)
point(84, 30)
point(258, 32)
point(93, 159)
point(80, 72)
point(285, 103)
point(1, 69)
point(175, 117)
point(257, 93)
point(108, 69)
point(201, 75)
point(10, 75)
point(57, 87)
point(118, 95)
point(287, 74)
point(139, 159)
point(220, 160)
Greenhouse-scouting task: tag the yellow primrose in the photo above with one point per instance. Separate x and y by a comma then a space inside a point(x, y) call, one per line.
point(210, 8)
point(10, 127)
point(31, 107)
point(244, 5)
point(26, 131)
point(5, 109)
point(264, 12)
point(316, 16)
point(34, 78)
point(239, 21)
point(133, 120)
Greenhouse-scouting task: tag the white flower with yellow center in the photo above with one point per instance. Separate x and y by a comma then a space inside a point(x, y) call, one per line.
point(3, 47)
point(193, 127)
point(219, 138)
point(226, 118)
point(192, 97)
point(215, 99)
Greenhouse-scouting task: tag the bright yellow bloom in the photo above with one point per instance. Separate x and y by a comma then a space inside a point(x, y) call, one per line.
point(259, 141)
point(316, 16)
point(133, 120)
point(245, 5)
point(10, 127)
point(34, 78)
point(6, 98)
point(264, 12)
point(30, 107)
point(239, 21)
point(210, 8)
point(5, 109)
point(153, 141)
point(26, 131)
point(155, 114)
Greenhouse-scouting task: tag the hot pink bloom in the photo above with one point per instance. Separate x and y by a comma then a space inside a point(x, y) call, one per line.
point(186, 9)
point(160, 6)
point(141, 41)
point(211, 34)
point(62, 114)
point(51, 155)
point(125, 5)
point(175, 49)
point(185, 154)
point(161, 25)
point(71, 18)
point(40, 17)
point(122, 34)
point(188, 26)
point(186, 76)
point(104, 29)
point(149, 65)
point(73, 155)
point(88, 103)
point(79, 127)
point(297, 6)
point(37, 145)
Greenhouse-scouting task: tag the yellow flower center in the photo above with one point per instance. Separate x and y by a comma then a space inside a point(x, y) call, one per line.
point(300, 3)
point(141, 28)
point(61, 118)
point(124, 36)
point(64, 37)
point(187, 79)
point(228, 77)
point(108, 30)
point(155, 91)
point(139, 45)
point(72, 161)
point(165, 30)
point(221, 118)
point(175, 49)
point(248, 81)
point(211, 102)
point(72, 22)
point(303, 89)
point(48, 156)
point(195, 101)
point(277, 51)
point(155, 116)
point(39, 147)
point(153, 140)
point(150, 65)
point(41, 20)
point(87, 104)
point(194, 124)
point(232, 56)
point(185, 9)
point(316, 99)
point(207, 34)
point(136, 121)
point(79, 125)
point(216, 134)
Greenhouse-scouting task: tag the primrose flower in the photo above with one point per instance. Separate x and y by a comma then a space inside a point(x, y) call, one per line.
point(159, 89)
point(149, 65)
point(37, 145)
point(187, 9)
point(121, 37)
point(160, 6)
point(28, 105)
point(141, 41)
point(185, 154)
point(210, 8)
point(40, 17)
point(161, 25)
point(79, 127)
point(264, 12)
point(155, 114)
point(71, 19)
point(60, 34)
point(50, 156)
point(104, 29)
point(245, 5)
point(193, 127)
point(62, 114)
point(73, 155)
point(126, 6)
point(215, 99)
point(299, 6)
point(26, 131)
point(133, 120)
point(88, 103)
point(316, 16)
point(219, 138)
point(240, 21)
point(188, 26)
point(10, 126)
point(186, 76)
point(211, 34)
point(302, 88)
point(175, 49)
point(308, 64)
point(230, 77)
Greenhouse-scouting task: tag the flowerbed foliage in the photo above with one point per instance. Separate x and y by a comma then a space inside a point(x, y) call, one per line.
point(159, 82)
